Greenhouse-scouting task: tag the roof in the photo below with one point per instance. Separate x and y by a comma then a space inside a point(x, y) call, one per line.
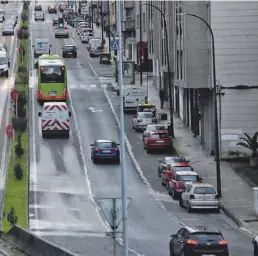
point(208, 229)
point(159, 131)
point(146, 105)
point(169, 158)
point(180, 165)
point(187, 173)
point(203, 185)
point(46, 60)
point(3, 53)
point(105, 141)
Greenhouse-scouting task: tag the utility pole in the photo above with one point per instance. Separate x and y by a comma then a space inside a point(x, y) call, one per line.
point(102, 28)
point(108, 18)
point(140, 50)
point(122, 131)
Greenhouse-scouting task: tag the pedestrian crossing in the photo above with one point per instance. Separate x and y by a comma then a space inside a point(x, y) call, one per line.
point(91, 87)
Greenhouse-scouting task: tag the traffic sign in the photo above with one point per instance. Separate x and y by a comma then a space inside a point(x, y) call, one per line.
point(112, 210)
point(114, 44)
point(14, 94)
point(10, 131)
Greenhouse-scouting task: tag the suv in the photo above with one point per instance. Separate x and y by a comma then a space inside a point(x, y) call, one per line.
point(69, 51)
point(197, 241)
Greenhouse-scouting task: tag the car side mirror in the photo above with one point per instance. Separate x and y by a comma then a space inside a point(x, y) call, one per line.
point(70, 113)
point(173, 236)
point(39, 114)
point(117, 93)
point(91, 145)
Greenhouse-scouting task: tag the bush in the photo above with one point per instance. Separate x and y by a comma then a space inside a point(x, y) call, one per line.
point(18, 172)
point(20, 123)
point(24, 16)
point(24, 26)
point(12, 218)
point(22, 34)
point(19, 151)
point(22, 69)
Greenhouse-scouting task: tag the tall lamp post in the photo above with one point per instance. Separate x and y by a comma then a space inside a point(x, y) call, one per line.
point(216, 135)
point(140, 50)
point(170, 78)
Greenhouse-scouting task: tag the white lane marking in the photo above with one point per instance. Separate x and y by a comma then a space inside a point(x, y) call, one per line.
point(70, 234)
point(95, 73)
point(33, 167)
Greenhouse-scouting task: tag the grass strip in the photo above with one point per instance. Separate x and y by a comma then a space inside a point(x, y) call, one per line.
point(16, 190)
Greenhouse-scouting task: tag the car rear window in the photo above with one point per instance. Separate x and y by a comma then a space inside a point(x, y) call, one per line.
point(69, 47)
point(175, 160)
point(145, 115)
point(206, 237)
point(107, 144)
point(182, 169)
point(156, 128)
point(186, 177)
point(159, 136)
point(204, 190)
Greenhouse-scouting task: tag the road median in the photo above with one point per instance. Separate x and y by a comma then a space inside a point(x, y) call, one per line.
point(16, 188)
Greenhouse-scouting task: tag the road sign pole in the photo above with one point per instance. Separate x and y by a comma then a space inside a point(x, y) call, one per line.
point(114, 224)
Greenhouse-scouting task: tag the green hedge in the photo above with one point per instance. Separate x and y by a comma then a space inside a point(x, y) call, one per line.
point(16, 189)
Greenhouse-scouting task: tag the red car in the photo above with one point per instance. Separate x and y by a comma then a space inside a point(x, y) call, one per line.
point(157, 140)
point(176, 185)
point(170, 173)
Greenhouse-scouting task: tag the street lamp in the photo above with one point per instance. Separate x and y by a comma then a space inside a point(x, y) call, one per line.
point(171, 101)
point(216, 135)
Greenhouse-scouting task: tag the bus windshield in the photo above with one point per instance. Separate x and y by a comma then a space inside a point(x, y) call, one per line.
point(52, 74)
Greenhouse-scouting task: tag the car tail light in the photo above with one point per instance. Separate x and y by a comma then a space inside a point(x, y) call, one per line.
point(116, 149)
point(96, 149)
point(189, 241)
point(139, 120)
point(217, 197)
point(223, 242)
point(192, 196)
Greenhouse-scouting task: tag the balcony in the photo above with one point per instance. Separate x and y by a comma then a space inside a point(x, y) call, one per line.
point(129, 4)
point(129, 23)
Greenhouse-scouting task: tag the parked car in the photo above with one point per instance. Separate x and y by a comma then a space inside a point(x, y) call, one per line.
point(200, 196)
point(167, 161)
point(8, 29)
point(255, 245)
point(142, 120)
point(69, 51)
point(171, 171)
point(198, 240)
point(157, 140)
point(152, 128)
point(105, 149)
point(176, 185)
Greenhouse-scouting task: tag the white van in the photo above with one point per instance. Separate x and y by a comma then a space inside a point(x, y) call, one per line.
point(39, 15)
point(4, 63)
point(133, 96)
point(55, 120)
point(41, 46)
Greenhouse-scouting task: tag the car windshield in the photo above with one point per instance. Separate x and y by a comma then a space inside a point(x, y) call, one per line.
point(155, 128)
point(204, 238)
point(106, 144)
point(8, 26)
point(145, 115)
point(186, 177)
point(52, 74)
point(3, 61)
point(175, 160)
point(204, 190)
point(182, 169)
point(69, 47)
point(159, 136)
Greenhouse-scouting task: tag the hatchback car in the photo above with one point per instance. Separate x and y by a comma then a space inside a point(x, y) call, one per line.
point(198, 241)
point(200, 196)
point(8, 29)
point(142, 120)
point(158, 140)
point(152, 128)
point(166, 162)
point(176, 185)
point(105, 150)
point(69, 51)
point(95, 51)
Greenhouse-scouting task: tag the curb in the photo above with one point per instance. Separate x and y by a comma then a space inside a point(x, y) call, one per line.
point(232, 216)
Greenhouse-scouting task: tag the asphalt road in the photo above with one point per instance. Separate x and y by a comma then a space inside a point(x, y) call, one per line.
point(5, 87)
point(62, 175)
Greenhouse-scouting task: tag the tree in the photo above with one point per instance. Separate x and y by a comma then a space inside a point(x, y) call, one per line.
point(250, 143)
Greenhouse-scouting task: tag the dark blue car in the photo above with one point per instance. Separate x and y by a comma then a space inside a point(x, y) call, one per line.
point(105, 150)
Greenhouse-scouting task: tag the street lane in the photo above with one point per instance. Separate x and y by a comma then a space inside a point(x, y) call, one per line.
point(61, 207)
point(239, 243)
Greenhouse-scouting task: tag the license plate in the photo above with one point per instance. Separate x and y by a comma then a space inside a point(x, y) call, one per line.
point(106, 151)
point(70, 53)
point(160, 141)
point(52, 93)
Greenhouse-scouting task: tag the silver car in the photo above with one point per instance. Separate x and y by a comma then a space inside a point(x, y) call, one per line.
point(151, 128)
point(199, 196)
point(8, 29)
point(62, 32)
point(142, 120)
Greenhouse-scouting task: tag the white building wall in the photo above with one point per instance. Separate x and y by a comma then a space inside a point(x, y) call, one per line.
point(235, 26)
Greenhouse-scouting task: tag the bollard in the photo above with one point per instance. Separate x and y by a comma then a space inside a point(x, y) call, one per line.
point(255, 200)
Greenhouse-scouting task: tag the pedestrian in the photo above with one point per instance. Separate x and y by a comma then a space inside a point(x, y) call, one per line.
point(162, 97)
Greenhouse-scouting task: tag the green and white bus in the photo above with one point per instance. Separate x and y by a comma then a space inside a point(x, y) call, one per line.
point(52, 78)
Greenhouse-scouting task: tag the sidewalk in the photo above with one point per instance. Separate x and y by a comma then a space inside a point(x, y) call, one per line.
point(237, 195)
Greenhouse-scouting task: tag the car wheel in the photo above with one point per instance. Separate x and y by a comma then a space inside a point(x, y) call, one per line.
point(75, 55)
point(7, 74)
point(174, 194)
point(159, 173)
point(217, 210)
point(144, 145)
point(133, 126)
point(148, 150)
point(189, 209)
point(255, 249)
point(118, 161)
point(41, 102)
point(181, 203)
point(63, 56)
point(169, 190)
point(43, 135)
point(94, 160)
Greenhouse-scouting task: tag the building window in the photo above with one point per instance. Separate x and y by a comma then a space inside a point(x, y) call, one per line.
point(138, 21)
point(177, 23)
point(181, 65)
point(181, 22)
point(143, 22)
point(177, 65)
point(162, 51)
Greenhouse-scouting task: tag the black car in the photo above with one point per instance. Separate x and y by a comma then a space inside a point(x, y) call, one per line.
point(69, 51)
point(197, 241)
